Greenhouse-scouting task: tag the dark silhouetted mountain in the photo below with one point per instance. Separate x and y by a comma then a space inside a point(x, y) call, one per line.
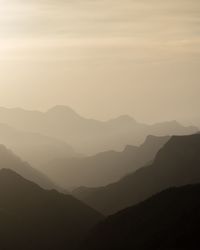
point(32, 147)
point(103, 168)
point(33, 218)
point(88, 136)
point(11, 161)
point(168, 220)
point(176, 164)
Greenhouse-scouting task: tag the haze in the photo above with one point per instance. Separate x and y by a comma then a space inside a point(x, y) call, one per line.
point(103, 58)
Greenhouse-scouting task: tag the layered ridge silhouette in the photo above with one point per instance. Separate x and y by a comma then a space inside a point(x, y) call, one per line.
point(35, 212)
point(34, 218)
point(88, 136)
point(103, 168)
point(35, 148)
point(168, 220)
point(11, 161)
point(176, 164)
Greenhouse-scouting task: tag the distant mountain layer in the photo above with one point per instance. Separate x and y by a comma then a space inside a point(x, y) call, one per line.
point(103, 168)
point(176, 164)
point(11, 161)
point(35, 148)
point(88, 136)
point(168, 220)
point(32, 218)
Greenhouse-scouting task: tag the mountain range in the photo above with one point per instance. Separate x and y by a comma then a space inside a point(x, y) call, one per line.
point(136, 186)
point(176, 164)
point(103, 168)
point(34, 148)
point(88, 136)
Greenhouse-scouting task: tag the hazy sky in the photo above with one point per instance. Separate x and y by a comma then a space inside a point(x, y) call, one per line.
point(102, 57)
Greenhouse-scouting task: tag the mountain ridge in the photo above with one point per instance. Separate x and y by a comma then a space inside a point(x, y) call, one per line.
point(11, 161)
point(103, 168)
point(35, 148)
point(88, 136)
point(167, 220)
point(34, 218)
point(173, 166)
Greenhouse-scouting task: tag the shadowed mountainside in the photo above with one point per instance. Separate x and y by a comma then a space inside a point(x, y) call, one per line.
point(103, 168)
point(168, 220)
point(176, 164)
point(35, 148)
point(34, 218)
point(88, 136)
point(10, 161)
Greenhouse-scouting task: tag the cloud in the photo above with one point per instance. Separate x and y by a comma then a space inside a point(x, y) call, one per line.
point(129, 27)
point(144, 55)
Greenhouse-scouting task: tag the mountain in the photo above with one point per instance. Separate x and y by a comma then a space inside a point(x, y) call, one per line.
point(35, 148)
point(88, 136)
point(168, 220)
point(176, 164)
point(34, 218)
point(9, 160)
point(103, 168)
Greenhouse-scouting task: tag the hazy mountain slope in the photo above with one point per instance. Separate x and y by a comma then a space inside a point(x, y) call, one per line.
point(103, 168)
point(176, 164)
point(11, 161)
point(35, 148)
point(168, 220)
point(33, 218)
point(87, 135)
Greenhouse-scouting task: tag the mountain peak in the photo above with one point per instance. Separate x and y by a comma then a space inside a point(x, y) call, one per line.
point(7, 172)
point(130, 148)
point(62, 110)
point(186, 141)
point(124, 118)
point(183, 149)
point(153, 138)
point(9, 179)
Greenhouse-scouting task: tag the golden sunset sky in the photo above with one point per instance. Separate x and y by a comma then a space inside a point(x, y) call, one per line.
point(102, 57)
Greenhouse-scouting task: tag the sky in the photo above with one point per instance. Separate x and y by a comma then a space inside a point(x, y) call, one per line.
point(103, 58)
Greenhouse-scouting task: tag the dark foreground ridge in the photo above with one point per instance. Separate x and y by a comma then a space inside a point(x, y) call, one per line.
point(169, 220)
point(33, 218)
